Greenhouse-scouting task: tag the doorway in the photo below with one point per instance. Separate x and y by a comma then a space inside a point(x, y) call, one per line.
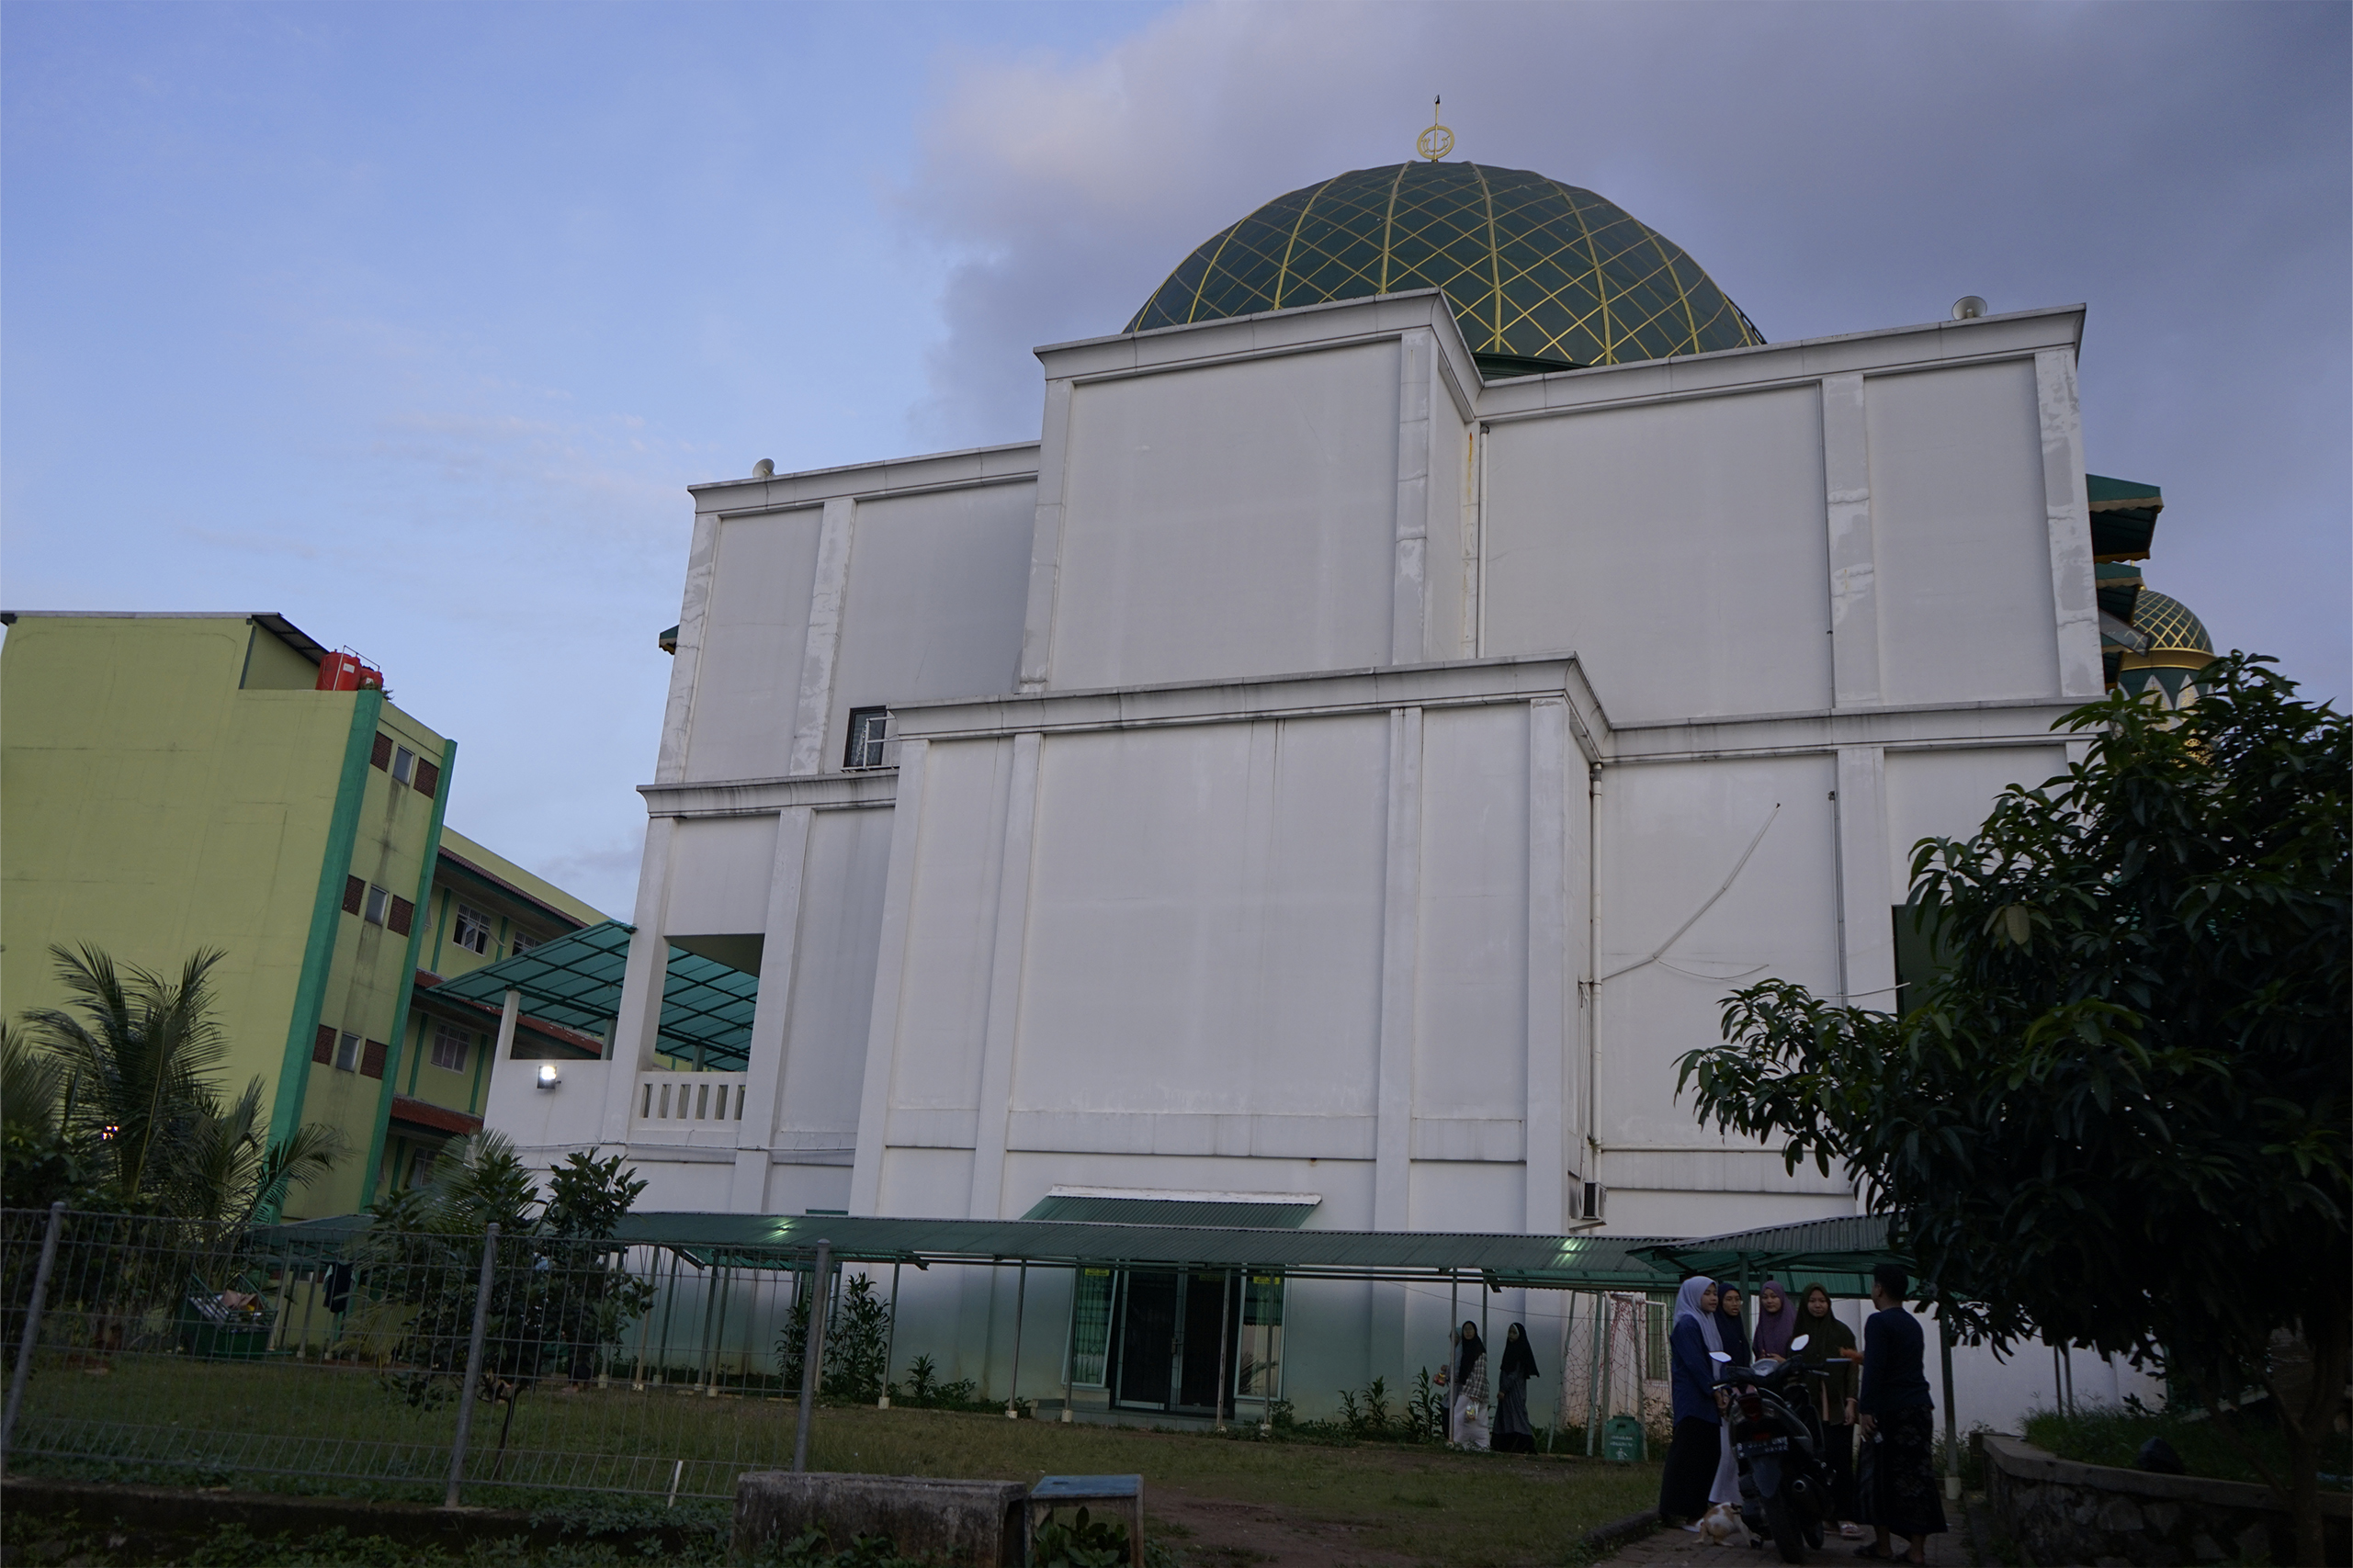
point(1164, 1355)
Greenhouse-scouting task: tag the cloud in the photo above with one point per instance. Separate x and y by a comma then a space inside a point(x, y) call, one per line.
point(1835, 168)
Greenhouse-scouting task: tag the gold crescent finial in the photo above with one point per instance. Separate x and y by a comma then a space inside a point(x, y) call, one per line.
point(1437, 141)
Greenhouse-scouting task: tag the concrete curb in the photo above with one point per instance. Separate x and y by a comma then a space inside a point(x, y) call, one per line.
point(1604, 1539)
point(151, 1517)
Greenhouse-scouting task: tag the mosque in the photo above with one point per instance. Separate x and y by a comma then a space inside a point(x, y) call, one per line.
point(1430, 655)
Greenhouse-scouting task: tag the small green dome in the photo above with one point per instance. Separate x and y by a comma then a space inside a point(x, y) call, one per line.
point(1542, 275)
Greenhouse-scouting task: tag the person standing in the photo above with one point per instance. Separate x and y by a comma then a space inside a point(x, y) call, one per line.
point(1895, 1423)
point(1776, 1322)
point(1732, 1325)
point(1512, 1433)
point(1699, 1421)
point(1830, 1345)
point(1469, 1391)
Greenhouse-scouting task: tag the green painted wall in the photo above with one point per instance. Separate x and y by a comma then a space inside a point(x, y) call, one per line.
point(171, 783)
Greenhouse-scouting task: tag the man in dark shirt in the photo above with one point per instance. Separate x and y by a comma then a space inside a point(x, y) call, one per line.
point(1897, 1423)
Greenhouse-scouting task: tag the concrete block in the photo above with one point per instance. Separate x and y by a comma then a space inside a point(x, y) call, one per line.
point(981, 1522)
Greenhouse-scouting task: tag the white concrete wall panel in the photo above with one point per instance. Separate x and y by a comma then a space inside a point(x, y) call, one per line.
point(1204, 933)
point(926, 1184)
point(1961, 537)
point(1229, 519)
point(1471, 989)
point(719, 869)
point(1670, 834)
point(833, 987)
point(936, 589)
point(1679, 549)
point(1450, 560)
point(1468, 1196)
point(1946, 795)
point(943, 992)
point(755, 634)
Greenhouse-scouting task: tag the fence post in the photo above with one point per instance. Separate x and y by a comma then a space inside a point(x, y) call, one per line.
point(473, 1369)
point(32, 1330)
point(812, 1353)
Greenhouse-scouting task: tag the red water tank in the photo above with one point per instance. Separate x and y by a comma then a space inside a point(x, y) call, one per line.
point(345, 670)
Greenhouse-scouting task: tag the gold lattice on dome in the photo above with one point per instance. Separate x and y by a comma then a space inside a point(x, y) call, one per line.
point(1536, 270)
point(2168, 624)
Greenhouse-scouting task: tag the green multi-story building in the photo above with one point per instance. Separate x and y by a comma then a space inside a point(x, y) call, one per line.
point(176, 782)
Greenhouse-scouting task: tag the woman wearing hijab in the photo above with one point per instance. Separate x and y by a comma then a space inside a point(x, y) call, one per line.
point(1512, 1433)
point(1776, 1322)
point(1896, 1421)
point(1830, 1345)
point(1731, 1327)
point(1699, 1421)
point(1469, 1392)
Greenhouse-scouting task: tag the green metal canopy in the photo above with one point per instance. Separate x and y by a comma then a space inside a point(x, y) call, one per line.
point(1255, 1210)
point(1838, 1254)
point(575, 980)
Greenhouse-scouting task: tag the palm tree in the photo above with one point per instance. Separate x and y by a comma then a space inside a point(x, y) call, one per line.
point(139, 1065)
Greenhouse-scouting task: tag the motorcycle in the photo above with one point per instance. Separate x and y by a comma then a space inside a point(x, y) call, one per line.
point(1785, 1488)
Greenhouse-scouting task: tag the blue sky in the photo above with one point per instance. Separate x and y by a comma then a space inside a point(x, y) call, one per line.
point(414, 321)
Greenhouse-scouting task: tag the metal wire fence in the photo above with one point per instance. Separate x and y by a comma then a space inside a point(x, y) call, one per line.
point(409, 1363)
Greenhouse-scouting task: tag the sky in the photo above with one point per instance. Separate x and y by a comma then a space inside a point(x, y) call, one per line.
point(413, 323)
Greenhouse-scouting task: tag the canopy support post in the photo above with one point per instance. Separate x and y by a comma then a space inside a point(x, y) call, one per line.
point(1952, 1420)
point(1021, 1299)
point(1595, 1366)
point(889, 1339)
point(1225, 1310)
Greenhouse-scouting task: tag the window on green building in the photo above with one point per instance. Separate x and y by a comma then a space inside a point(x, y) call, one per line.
point(473, 929)
point(347, 1052)
point(449, 1043)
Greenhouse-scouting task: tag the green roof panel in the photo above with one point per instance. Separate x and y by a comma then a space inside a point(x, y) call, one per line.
point(575, 980)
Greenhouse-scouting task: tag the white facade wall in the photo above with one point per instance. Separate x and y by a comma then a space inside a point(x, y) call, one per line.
point(1317, 770)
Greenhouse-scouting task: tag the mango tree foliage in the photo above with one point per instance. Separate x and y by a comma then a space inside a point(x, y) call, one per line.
point(2121, 1119)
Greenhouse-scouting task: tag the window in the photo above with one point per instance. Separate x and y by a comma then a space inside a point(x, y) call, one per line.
point(1090, 1327)
point(381, 757)
point(404, 762)
point(473, 929)
point(371, 1059)
point(421, 1167)
point(346, 1053)
point(869, 727)
point(520, 944)
point(323, 1047)
point(402, 914)
point(1656, 1365)
point(429, 778)
point(449, 1043)
point(374, 913)
point(354, 890)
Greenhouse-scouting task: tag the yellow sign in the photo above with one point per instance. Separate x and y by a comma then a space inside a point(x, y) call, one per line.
point(1437, 141)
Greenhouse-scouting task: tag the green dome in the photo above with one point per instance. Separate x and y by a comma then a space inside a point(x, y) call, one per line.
point(2171, 630)
point(1543, 276)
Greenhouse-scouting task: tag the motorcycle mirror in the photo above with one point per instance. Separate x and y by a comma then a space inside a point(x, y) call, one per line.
point(1719, 1355)
point(1801, 1342)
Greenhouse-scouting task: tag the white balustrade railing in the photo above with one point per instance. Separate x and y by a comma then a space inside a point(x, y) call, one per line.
point(680, 1101)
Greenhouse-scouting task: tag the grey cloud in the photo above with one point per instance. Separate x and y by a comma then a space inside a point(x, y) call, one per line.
point(2181, 169)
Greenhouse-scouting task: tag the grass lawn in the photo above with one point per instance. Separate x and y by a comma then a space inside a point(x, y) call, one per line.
point(172, 1421)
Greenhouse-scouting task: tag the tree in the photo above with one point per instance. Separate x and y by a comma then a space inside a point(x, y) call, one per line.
point(2122, 1117)
point(124, 1095)
point(560, 1299)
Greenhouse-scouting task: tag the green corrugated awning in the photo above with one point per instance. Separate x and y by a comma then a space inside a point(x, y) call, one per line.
point(1838, 1254)
point(2124, 517)
point(1261, 1211)
point(575, 980)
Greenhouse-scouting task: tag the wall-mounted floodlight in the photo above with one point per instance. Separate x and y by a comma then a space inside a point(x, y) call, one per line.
point(548, 1077)
point(1969, 306)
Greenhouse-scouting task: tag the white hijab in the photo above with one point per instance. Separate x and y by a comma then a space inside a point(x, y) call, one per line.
point(1687, 1304)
